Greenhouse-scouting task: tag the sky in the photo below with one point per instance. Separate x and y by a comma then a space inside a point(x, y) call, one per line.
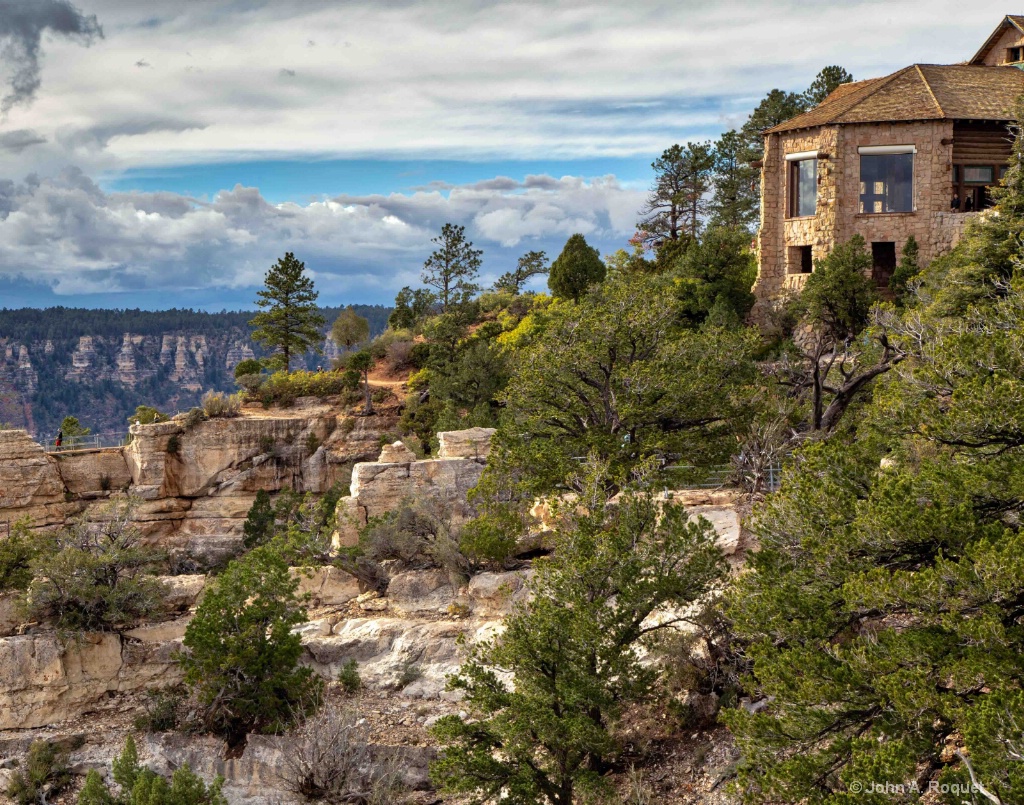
point(161, 154)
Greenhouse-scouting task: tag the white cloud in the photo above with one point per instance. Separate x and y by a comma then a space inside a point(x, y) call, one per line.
point(456, 78)
point(68, 234)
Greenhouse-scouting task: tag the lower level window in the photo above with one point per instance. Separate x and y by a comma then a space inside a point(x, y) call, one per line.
point(801, 260)
point(886, 183)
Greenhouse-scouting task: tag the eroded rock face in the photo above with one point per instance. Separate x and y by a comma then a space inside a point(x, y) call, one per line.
point(381, 486)
point(196, 484)
point(43, 681)
point(30, 485)
point(470, 443)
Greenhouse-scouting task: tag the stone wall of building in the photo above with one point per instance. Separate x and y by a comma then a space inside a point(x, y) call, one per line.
point(838, 217)
point(996, 55)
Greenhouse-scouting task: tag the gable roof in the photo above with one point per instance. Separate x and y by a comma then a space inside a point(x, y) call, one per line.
point(1011, 21)
point(919, 92)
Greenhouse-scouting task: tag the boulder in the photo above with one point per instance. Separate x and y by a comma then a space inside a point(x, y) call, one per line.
point(183, 592)
point(396, 453)
point(419, 591)
point(473, 443)
point(495, 594)
point(43, 682)
point(392, 652)
point(326, 586)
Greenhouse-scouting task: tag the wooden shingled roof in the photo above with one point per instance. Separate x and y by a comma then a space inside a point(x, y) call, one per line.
point(919, 92)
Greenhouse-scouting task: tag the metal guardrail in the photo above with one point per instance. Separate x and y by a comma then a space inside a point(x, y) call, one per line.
point(93, 441)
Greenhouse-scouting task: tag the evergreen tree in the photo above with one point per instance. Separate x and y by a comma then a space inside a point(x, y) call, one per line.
point(242, 653)
point(838, 296)
point(362, 362)
point(531, 264)
point(577, 268)
point(575, 652)
point(839, 354)
point(677, 203)
point(73, 430)
point(453, 267)
point(349, 329)
point(616, 376)
point(824, 84)
point(716, 270)
point(734, 199)
point(884, 611)
point(258, 527)
point(411, 306)
point(980, 266)
point(290, 321)
point(906, 271)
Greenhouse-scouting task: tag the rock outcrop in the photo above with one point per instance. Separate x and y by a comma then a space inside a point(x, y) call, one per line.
point(378, 487)
point(196, 484)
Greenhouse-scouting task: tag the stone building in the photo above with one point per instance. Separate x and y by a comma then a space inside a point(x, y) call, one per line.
point(913, 153)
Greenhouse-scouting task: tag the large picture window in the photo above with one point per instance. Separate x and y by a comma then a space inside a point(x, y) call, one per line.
point(803, 187)
point(886, 182)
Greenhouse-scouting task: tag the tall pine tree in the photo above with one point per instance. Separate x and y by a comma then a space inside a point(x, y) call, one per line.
point(453, 267)
point(290, 321)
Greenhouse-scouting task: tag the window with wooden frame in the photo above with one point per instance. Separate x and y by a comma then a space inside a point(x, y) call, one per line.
point(886, 178)
point(803, 184)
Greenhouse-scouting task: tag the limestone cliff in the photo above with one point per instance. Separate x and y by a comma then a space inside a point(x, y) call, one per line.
point(99, 365)
point(196, 484)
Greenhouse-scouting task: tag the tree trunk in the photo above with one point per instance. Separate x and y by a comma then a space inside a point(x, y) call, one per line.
point(368, 408)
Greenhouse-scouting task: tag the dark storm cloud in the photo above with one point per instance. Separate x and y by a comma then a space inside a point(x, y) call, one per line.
point(22, 24)
point(20, 139)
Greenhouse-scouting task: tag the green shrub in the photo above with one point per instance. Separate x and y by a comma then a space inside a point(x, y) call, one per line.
point(147, 415)
point(142, 786)
point(16, 554)
point(312, 443)
point(173, 444)
point(250, 383)
point(348, 424)
point(282, 388)
point(351, 379)
point(417, 534)
point(380, 395)
point(242, 660)
point(383, 343)
point(348, 677)
point(250, 366)
point(410, 673)
point(193, 418)
point(95, 576)
point(216, 404)
point(45, 773)
point(419, 355)
point(160, 713)
point(491, 537)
